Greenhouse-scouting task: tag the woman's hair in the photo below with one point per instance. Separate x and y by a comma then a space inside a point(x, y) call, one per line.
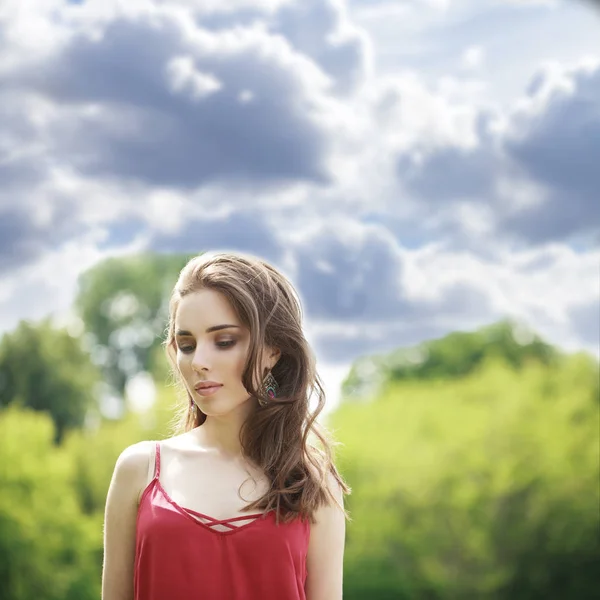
point(276, 437)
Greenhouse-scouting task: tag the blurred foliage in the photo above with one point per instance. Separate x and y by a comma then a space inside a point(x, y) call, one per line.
point(455, 355)
point(474, 466)
point(46, 369)
point(48, 548)
point(123, 302)
point(481, 487)
point(52, 499)
point(91, 476)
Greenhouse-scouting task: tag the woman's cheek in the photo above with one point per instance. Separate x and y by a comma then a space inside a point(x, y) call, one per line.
point(241, 360)
point(181, 363)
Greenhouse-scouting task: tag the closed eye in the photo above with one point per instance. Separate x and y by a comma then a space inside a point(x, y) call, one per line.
point(221, 345)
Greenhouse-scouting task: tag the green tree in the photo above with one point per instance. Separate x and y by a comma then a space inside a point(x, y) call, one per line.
point(48, 370)
point(453, 356)
point(123, 302)
point(481, 487)
point(48, 548)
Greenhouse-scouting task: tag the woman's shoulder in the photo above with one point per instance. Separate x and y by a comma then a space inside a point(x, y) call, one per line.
point(130, 471)
point(139, 453)
point(178, 440)
point(133, 460)
point(325, 472)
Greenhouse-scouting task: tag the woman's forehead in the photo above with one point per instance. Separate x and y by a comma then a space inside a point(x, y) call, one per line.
point(203, 309)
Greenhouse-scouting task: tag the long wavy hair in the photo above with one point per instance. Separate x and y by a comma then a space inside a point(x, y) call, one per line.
point(283, 438)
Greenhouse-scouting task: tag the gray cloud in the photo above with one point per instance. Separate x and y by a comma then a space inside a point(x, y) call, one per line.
point(349, 344)
point(346, 272)
point(352, 276)
point(553, 148)
point(318, 29)
point(115, 112)
point(409, 323)
point(23, 237)
point(20, 162)
point(451, 174)
point(310, 26)
point(248, 113)
point(19, 239)
point(585, 319)
point(244, 231)
point(144, 129)
point(559, 149)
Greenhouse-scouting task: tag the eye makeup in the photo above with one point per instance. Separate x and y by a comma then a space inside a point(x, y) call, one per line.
point(222, 345)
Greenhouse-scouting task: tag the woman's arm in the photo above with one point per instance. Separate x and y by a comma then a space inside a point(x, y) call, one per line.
point(127, 483)
point(325, 559)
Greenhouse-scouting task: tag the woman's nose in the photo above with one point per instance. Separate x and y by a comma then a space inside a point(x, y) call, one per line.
point(200, 360)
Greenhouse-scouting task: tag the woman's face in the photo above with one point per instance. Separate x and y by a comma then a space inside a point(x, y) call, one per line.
point(206, 353)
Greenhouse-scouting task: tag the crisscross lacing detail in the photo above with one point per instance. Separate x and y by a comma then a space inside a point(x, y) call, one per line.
point(212, 523)
point(216, 523)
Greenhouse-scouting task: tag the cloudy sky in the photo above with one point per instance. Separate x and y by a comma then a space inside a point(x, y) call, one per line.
point(414, 166)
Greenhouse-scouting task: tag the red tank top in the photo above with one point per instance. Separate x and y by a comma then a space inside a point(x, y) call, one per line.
point(179, 554)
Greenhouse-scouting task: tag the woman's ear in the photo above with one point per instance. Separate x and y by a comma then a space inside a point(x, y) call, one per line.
point(274, 354)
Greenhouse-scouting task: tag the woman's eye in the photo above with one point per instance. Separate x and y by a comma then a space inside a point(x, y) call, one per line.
point(226, 344)
point(223, 344)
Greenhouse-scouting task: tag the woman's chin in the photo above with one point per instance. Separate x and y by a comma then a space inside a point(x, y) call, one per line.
point(223, 406)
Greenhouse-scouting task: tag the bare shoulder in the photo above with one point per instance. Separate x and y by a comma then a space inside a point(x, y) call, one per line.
point(335, 501)
point(335, 489)
point(334, 486)
point(131, 468)
point(135, 458)
point(178, 442)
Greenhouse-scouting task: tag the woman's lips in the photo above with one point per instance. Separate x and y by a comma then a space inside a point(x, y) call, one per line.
point(208, 391)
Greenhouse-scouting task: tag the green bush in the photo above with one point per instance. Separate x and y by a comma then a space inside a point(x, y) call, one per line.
point(483, 487)
point(48, 548)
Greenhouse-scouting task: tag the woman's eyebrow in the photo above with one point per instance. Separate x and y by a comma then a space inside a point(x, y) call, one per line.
point(184, 332)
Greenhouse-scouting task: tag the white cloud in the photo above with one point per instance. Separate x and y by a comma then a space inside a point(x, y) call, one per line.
point(530, 3)
point(48, 285)
point(473, 57)
point(413, 115)
point(403, 205)
point(553, 82)
point(532, 165)
point(184, 77)
point(233, 6)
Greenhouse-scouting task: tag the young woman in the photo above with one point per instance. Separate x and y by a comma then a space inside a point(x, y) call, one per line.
point(245, 503)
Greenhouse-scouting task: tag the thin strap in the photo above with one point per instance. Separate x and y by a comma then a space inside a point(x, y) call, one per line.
point(157, 461)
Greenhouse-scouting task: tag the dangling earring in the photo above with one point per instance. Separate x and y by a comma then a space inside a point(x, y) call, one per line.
point(268, 390)
point(194, 410)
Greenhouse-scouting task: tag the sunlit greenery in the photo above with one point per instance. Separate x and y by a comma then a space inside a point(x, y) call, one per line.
point(47, 369)
point(480, 487)
point(474, 469)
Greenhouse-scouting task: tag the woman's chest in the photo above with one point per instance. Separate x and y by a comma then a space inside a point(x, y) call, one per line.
point(218, 490)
